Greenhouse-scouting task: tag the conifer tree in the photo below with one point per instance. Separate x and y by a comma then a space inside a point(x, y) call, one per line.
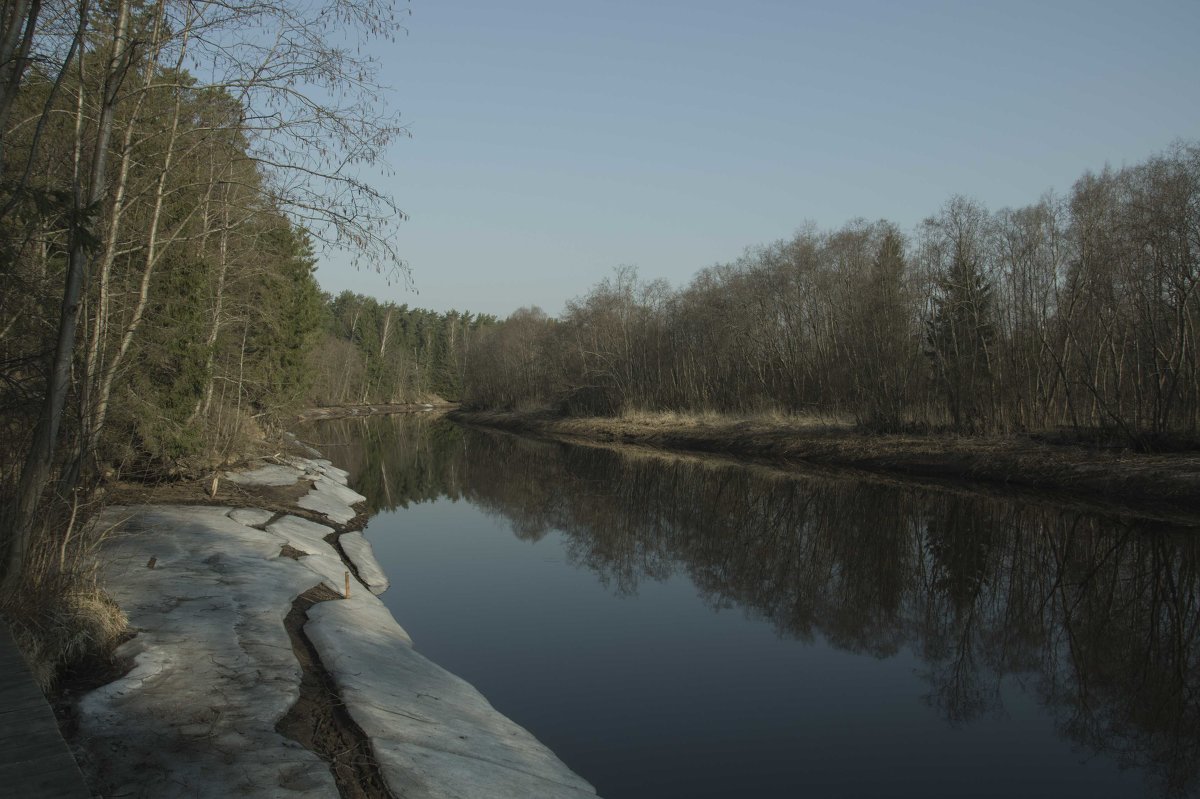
point(959, 335)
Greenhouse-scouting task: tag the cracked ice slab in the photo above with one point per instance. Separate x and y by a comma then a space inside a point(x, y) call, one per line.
point(213, 671)
point(271, 474)
point(320, 466)
point(336, 489)
point(434, 735)
point(332, 504)
point(329, 496)
point(213, 665)
point(306, 536)
point(309, 538)
point(359, 550)
point(251, 517)
point(336, 474)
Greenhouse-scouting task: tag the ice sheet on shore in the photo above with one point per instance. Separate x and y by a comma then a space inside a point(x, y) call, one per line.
point(320, 466)
point(213, 669)
point(330, 500)
point(270, 474)
point(251, 517)
point(359, 550)
point(309, 538)
point(213, 665)
point(336, 489)
point(330, 495)
point(434, 735)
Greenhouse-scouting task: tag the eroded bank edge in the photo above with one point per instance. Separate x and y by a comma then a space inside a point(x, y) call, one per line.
point(318, 720)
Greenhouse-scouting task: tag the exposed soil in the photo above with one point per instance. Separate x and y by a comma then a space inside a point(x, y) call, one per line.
point(280, 499)
point(1163, 485)
point(319, 720)
point(289, 551)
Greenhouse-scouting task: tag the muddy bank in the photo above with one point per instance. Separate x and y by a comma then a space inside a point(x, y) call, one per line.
point(263, 663)
point(1169, 483)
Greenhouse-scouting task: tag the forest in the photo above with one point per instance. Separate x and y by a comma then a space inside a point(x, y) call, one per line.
point(378, 352)
point(1076, 312)
point(171, 172)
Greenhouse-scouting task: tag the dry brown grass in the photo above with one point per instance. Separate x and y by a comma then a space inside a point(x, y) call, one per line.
point(774, 418)
point(1170, 481)
point(60, 617)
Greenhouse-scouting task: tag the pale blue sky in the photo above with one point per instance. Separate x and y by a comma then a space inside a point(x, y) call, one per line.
point(554, 140)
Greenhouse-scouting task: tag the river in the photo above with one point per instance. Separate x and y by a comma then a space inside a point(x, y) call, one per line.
point(685, 627)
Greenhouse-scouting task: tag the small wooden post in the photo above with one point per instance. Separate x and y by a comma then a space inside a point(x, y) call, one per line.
point(212, 491)
point(150, 564)
point(347, 585)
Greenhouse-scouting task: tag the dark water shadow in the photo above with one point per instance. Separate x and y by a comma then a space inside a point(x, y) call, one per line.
point(1099, 617)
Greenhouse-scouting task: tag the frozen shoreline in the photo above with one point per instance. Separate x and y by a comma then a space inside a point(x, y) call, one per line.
point(214, 670)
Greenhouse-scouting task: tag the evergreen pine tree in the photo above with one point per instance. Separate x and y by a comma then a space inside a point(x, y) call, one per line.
point(959, 335)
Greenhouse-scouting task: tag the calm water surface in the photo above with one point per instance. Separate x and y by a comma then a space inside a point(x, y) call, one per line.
point(672, 627)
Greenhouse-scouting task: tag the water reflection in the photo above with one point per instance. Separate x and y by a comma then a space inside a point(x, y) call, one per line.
point(1096, 616)
point(394, 460)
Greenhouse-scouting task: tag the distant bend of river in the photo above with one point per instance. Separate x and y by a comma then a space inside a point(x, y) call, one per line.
point(676, 627)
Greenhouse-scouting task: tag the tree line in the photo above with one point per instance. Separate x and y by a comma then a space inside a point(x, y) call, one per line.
point(169, 170)
point(380, 352)
point(1077, 311)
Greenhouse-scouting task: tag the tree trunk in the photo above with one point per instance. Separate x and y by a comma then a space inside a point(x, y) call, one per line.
point(153, 244)
point(116, 215)
point(203, 405)
point(16, 37)
point(40, 459)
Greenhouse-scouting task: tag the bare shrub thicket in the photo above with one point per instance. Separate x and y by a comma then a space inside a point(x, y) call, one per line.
point(1076, 312)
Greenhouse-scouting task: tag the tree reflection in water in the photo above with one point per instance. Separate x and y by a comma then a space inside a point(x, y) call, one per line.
point(1096, 615)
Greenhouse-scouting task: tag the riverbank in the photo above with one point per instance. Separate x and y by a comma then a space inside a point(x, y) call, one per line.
point(263, 663)
point(1167, 482)
point(343, 411)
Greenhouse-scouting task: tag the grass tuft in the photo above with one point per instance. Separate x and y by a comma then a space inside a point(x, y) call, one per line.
point(60, 617)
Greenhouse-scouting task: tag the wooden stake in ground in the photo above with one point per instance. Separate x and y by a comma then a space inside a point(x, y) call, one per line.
point(347, 585)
